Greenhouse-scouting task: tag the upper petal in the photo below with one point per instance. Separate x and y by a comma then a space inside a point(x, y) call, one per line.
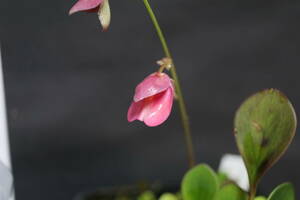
point(158, 111)
point(152, 85)
point(83, 5)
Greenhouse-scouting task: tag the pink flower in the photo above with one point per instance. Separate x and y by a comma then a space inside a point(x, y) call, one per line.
point(153, 99)
point(99, 6)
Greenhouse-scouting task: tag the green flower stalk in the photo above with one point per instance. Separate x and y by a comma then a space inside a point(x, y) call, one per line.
point(181, 103)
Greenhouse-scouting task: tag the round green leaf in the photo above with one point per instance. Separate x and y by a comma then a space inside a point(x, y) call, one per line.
point(260, 198)
point(168, 196)
point(231, 192)
point(200, 182)
point(284, 191)
point(147, 195)
point(264, 126)
point(222, 177)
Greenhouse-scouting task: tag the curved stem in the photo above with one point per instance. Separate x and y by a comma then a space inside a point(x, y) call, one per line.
point(182, 107)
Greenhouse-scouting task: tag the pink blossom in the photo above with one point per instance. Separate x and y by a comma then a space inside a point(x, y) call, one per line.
point(99, 6)
point(85, 5)
point(153, 100)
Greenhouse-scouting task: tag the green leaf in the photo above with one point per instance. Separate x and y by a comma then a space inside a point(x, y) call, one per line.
point(200, 182)
point(260, 198)
point(264, 126)
point(147, 195)
point(168, 196)
point(231, 192)
point(284, 191)
point(222, 177)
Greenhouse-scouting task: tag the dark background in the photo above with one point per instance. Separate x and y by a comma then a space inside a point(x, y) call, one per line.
point(69, 85)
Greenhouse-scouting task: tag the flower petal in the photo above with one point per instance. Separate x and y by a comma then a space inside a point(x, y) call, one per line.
point(135, 111)
point(85, 5)
point(104, 14)
point(159, 109)
point(152, 85)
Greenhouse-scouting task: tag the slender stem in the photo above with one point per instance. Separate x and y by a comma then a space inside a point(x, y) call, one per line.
point(182, 107)
point(252, 192)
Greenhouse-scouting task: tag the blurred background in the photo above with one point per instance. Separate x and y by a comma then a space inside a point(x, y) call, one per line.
point(69, 85)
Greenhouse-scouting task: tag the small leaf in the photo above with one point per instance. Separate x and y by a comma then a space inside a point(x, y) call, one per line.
point(147, 195)
point(260, 198)
point(222, 177)
point(200, 182)
point(168, 196)
point(231, 192)
point(264, 126)
point(284, 191)
point(104, 14)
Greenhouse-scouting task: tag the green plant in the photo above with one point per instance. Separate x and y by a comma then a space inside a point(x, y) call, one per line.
point(264, 126)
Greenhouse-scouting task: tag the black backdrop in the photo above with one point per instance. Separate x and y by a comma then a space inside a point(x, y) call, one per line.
point(69, 86)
